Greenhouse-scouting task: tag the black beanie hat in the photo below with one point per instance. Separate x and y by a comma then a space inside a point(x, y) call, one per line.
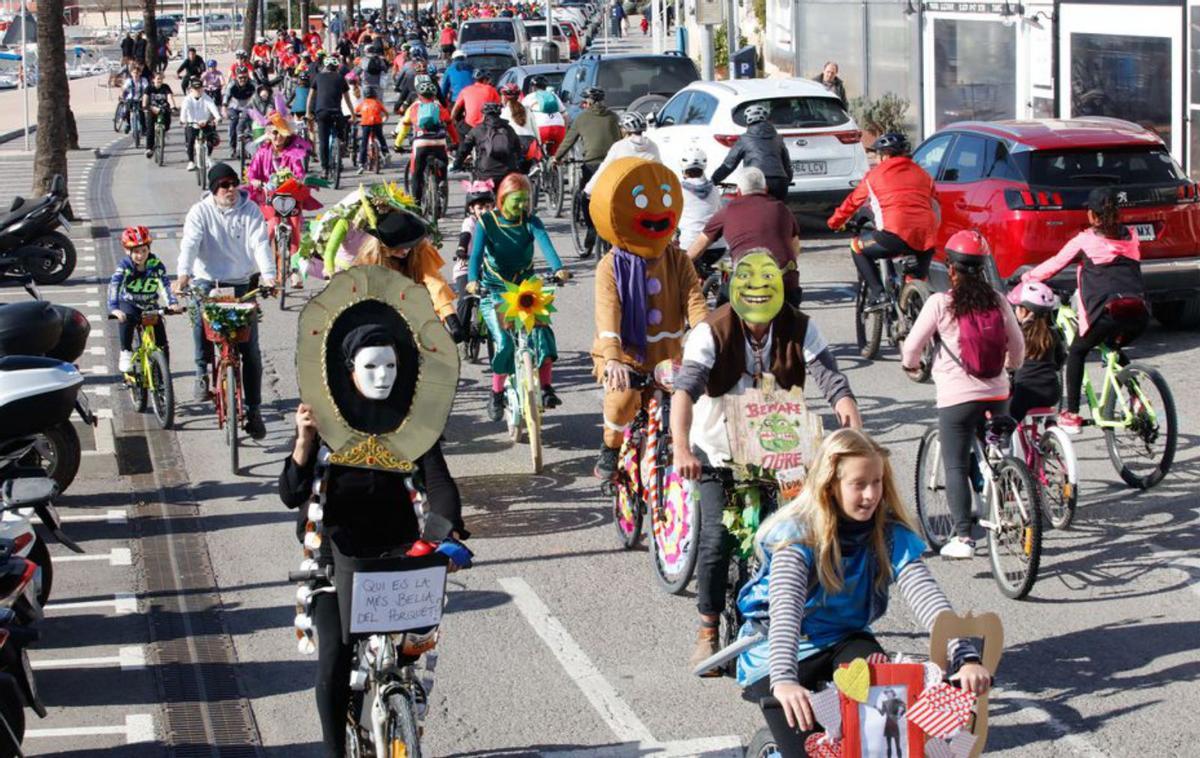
point(218, 172)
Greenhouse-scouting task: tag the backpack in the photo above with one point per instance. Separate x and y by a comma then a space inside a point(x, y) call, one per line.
point(374, 67)
point(983, 344)
point(495, 148)
point(429, 116)
point(547, 102)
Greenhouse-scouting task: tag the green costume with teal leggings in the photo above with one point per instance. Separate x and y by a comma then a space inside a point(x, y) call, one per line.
point(503, 251)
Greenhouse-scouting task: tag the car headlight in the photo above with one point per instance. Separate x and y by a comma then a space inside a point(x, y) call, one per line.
point(283, 204)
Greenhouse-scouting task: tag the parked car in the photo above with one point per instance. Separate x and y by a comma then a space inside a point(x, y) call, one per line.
point(521, 75)
point(575, 37)
point(1024, 185)
point(493, 57)
point(824, 143)
point(635, 81)
point(537, 30)
point(507, 30)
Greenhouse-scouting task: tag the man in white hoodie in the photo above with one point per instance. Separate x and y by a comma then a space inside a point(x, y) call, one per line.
point(225, 243)
point(633, 143)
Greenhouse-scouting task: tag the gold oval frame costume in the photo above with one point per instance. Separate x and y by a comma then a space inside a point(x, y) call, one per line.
point(437, 372)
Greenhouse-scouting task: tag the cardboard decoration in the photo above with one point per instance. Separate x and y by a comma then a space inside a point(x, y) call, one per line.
point(636, 204)
point(986, 627)
point(387, 435)
point(880, 720)
point(773, 429)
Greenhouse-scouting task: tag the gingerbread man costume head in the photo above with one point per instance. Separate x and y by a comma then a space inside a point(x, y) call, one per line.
point(636, 205)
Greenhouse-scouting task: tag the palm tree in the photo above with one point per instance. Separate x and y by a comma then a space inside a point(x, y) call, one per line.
point(250, 25)
point(50, 156)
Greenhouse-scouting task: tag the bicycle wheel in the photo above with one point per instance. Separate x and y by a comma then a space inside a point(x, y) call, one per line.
point(868, 326)
point(912, 299)
point(282, 259)
point(201, 150)
point(162, 393)
point(1057, 477)
point(674, 529)
point(1015, 540)
point(763, 745)
point(579, 226)
point(430, 192)
point(929, 492)
point(554, 189)
point(335, 163)
point(119, 117)
point(628, 512)
point(531, 409)
point(1143, 449)
point(403, 734)
point(135, 117)
point(137, 388)
point(160, 145)
point(230, 392)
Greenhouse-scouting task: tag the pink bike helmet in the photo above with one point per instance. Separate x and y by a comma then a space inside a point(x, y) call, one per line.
point(351, 77)
point(1035, 296)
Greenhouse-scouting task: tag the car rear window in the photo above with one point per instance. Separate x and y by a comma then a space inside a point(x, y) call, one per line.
point(554, 79)
point(486, 30)
point(625, 80)
point(493, 64)
point(798, 112)
point(1107, 166)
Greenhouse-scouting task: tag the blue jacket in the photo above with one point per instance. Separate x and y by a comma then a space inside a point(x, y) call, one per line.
point(139, 288)
point(458, 76)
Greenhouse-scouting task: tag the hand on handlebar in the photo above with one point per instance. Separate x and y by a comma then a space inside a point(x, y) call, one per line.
point(472, 288)
point(119, 315)
point(797, 705)
point(685, 462)
point(616, 376)
point(562, 276)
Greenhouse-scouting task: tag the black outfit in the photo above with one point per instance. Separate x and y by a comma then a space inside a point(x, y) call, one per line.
point(159, 98)
point(367, 512)
point(837, 87)
point(328, 88)
point(878, 245)
point(957, 426)
point(139, 49)
point(760, 147)
point(497, 149)
point(1036, 383)
point(191, 68)
point(127, 47)
point(1103, 329)
point(238, 97)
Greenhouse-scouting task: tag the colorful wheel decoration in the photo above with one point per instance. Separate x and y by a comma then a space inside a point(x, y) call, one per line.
point(674, 524)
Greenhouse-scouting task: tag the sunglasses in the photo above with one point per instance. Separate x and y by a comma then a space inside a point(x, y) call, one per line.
point(227, 184)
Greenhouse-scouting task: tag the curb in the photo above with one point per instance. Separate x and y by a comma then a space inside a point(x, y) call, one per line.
point(16, 133)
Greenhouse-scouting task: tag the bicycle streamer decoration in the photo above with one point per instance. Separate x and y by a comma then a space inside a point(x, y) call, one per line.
point(394, 419)
point(877, 704)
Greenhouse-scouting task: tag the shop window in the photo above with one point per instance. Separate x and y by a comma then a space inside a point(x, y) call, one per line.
point(966, 162)
point(975, 64)
point(1123, 76)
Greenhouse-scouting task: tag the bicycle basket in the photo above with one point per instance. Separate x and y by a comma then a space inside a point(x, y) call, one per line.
point(390, 593)
point(228, 321)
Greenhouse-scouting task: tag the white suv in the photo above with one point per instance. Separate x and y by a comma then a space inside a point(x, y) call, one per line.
point(825, 145)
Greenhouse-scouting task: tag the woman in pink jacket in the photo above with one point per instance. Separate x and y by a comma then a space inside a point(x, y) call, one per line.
point(282, 151)
point(978, 337)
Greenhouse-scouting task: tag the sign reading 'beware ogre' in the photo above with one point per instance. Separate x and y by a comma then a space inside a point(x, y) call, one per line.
point(772, 428)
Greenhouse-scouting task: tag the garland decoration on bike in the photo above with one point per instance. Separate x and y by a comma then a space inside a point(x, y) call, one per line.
point(371, 306)
point(527, 303)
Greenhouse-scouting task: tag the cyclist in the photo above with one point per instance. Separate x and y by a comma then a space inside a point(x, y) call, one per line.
point(133, 92)
point(700, 197)
point(199, 116)
point(468, 107)
point(372, 69)
point(238, 97)
point(903, 198)
point(633, 144)
point(515, 114)
point(547, 110)
point(761, 147)
point(301, 89)
point(282, 152)
point(134, 287)
point(329, 91)
point(1036, 384)
point(502, 252)
point(447, 38)
point(756, 332)
point(214, 81)
point(191, 68)
point(1110, 295)
point(599, 128)
point(823, 581)
point(241, 62)
point(479, 200)
point(978, 336)
point(433, 132)
point(370, 114)
point(261, 52)
point(458, 77)
point(159, 99)
point(496, 147)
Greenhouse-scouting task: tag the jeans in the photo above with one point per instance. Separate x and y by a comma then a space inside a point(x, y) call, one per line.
point(235, 117)
point(364, 140)
point(958, 426)
point(190, 133)
point(327, 123)
point(874, 246)
point(814, 674)
point(715, 544)
point(251, 357)
point(421, 157)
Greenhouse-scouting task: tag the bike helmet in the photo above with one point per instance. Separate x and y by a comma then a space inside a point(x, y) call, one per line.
point(633, 122)
point(510, 90)
point(537, 82)
point(351, 77)
point(492, 109)
point(693, 157)
point(892, 143)
point(481, 75)
point(240, 54)
point(458, 55)
point(1035, 296)
point(755, 113)
point(212, 62)
point(479, 194)
point(406, 47)
point(371, 92)
point(594, 94)
point(425, 86)
point(135, 236)
point(262, 40)
point(330, 64)
point(968, 249)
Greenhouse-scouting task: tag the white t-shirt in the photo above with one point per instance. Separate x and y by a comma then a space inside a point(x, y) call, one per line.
point(708, 415)
point(522, 131)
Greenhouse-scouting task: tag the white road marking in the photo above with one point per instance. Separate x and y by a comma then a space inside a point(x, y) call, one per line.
point(103, 413)
point(1076, 742)
point(714, 747)
point(129, 658)
point(118, 556)
point(122, 603)
point(98, 350)
point(615, 713)
point(82, 304)
point(138, 727)
point(69, 290)
point(87, 259)
point(99, 391)
point(113, 516)
point(105, 440)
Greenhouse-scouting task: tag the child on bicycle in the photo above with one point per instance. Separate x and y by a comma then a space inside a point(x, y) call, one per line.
point(1036, 383)
point(479, 200)
point(977, 336)
point(1109, 291)
point(829, 559)
point(135, 287)
point(371, 114)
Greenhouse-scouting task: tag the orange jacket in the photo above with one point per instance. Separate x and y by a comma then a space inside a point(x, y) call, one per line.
point(903, 198)
point(370, 112)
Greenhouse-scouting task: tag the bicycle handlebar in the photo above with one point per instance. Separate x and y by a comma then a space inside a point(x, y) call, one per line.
point(309, 575)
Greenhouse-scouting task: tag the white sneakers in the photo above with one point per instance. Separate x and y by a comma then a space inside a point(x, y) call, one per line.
point(958, 548)
point(191, 166)
point(125, 362)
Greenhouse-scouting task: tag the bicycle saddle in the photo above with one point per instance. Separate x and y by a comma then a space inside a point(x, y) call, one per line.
point(1000, 426)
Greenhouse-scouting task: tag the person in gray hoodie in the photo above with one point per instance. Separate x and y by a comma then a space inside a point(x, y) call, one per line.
point(225, 242)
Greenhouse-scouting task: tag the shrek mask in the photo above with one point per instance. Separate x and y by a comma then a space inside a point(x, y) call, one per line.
point(375, 371)
point(636, 205)
point(516, 205)
point(756, 289)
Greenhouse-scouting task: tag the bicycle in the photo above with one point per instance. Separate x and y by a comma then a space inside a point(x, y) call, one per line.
point(1050, 456)
point(137, 124)
point(150, 377)
point(285, 208)
point(374, 156)
point(547, 178)
point(1009, 493)
point(477, 334)
point(435, 190)
point(1133, 423)
point(523, 387)
point(160, 137)
point(201, 147)
point(336, 150)
point(645, 483)
point(581, 216)
point(121, 116)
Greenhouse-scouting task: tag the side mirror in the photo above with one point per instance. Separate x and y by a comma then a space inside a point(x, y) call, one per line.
point(652, 118)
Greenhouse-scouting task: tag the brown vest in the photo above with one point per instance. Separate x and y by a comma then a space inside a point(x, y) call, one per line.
point(787, 349)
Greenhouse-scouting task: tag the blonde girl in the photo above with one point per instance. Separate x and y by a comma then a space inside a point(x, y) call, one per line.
point(850, 532)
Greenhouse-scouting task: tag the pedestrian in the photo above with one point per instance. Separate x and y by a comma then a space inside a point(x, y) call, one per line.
point(225, 240)
point(829, 79)
point(139, 48)
point(761, 147)
point(645, 23)
point(754, 220)
point(126, 49)
point(617, 18)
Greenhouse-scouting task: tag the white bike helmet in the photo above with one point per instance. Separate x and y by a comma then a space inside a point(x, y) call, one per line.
point(693, 157)
point(755, 113)
point(633, 122)
point(1035, 296)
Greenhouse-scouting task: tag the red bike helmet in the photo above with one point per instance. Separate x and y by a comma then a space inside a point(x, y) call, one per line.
point(512, 89)
point(968, 248)
point(135, 236)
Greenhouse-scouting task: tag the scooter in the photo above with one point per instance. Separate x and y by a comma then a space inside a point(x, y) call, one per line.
point(19, 613)
point(32, 491)
point(30, 242)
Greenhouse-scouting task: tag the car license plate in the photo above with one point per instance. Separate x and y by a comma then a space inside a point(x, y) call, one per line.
point(1144, 232)
point(810, 168)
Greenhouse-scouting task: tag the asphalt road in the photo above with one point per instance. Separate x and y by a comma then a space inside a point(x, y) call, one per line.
point(560, 641)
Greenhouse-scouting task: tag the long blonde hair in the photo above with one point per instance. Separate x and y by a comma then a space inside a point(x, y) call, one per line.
point(423, 259)
point(815, 512)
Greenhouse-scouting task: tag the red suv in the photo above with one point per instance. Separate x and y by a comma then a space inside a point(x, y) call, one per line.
point(1023, 184)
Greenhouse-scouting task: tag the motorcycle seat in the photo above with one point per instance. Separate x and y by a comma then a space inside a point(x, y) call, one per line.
point(27, 362)
point(17, 202)
point(23, 209)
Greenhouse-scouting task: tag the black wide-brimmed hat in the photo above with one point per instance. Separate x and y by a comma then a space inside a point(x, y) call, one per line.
point(400, 228)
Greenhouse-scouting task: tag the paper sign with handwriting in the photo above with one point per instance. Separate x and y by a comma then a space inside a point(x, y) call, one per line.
point(396, 601)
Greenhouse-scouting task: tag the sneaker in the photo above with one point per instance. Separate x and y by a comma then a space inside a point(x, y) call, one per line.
point(191, 166)
point(150, 152)
point(706, 647)
point(254, 424)
point(1069, 422)
point(297, 282)
point(360, 171)
point(959, 548)
point(606, 463)
point(550, 398)
point(125, 362)
point(200, 388)
point(496, 406)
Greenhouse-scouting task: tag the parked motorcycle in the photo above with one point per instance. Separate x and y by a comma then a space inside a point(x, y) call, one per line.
point(30, 242)
point(29, 490)
point(19, 614)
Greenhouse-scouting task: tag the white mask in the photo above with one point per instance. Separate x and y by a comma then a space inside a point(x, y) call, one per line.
point(375, 371)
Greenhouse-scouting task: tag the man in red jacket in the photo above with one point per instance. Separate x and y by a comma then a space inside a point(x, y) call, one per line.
point(904, 205)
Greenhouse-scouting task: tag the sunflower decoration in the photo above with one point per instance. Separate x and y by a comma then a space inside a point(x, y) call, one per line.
point(527, 303)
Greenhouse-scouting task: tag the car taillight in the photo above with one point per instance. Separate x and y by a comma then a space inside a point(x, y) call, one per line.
point(726, 139)
point(1033, 200)
point(849, 138)
point(1187, 193)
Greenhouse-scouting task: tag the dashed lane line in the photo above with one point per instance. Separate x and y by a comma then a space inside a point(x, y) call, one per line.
point(138, 728)
point(122, 603)
point(112, 516)
point(128, 658)
point(118, 556)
